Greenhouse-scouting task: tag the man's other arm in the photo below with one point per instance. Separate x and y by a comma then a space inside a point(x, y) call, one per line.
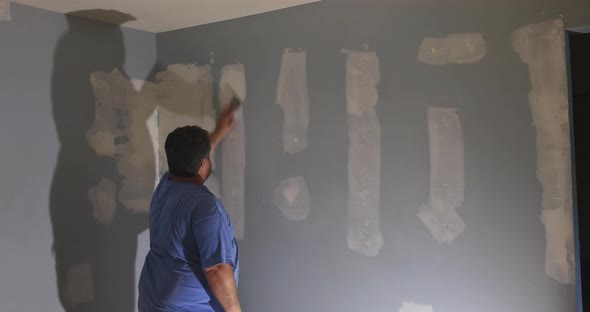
point(221, 280)
point(216, 249)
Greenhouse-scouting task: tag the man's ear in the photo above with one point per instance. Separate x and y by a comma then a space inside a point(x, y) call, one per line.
point(206, 162)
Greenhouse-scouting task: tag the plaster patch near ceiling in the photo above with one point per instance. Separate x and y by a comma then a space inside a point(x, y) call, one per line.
point(464, 48)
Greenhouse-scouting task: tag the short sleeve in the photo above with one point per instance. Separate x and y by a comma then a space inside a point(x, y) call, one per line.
point(214, 241)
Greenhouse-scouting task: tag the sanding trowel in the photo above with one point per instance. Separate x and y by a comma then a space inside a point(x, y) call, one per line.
point(235, 102)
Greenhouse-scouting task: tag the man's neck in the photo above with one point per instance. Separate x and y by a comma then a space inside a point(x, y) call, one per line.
point(195, 179)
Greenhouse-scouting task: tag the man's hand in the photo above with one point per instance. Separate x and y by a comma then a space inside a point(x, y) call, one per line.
point(225, 122)
point(222, 283)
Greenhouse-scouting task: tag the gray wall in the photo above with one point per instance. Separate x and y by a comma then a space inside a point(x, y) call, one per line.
point(497, 264)
point(47, 105)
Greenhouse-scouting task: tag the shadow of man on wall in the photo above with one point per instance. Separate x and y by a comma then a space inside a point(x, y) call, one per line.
point(95, 236)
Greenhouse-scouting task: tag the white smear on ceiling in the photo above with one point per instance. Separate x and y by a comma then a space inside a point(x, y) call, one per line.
point(165, 15)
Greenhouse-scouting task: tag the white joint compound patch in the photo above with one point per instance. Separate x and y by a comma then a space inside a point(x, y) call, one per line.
point(542, 47)
point(185, 98)
point(214, 185)
point(153, 129)
point(233, 82)
point(292, 95)
point(558, 228)
point(464, 48)
point(5, 11)
point(292, 198)
point(152, 120)
point(447, 182)
point(364, 153)
point(414, 307)
point(79, 287)
point(103, 198)
point(121, 130)
point(362, 78)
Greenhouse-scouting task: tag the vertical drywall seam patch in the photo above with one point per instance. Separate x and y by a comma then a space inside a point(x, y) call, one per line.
point(233, 81)
point(137, 167)
point(292, 198)
point(291, 195)
point(5, 15)
point(466, 48)
point(152, 94)
point(542, 47)
point(292, 95)
point(120, 130)
point(414, 307)
point(185, 98)
point(447, 182)
point(364, 152)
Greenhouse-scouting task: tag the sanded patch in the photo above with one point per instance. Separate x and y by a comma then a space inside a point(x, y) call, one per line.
point(364, 153)
point(465, 48)
point(292, 198)
point(292, 96)
point(447, 181)
point(233, 157)
point(542, 47)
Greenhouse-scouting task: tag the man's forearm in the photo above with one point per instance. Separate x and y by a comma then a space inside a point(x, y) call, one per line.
point(222, 282)
point(224, 124)
point(215, 137)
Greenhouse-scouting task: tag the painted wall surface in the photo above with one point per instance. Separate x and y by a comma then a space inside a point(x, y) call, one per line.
point(391, 155)
point(493, 233)
point(55, 255)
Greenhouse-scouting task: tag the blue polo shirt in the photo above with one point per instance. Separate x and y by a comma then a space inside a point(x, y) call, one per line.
point(189, 232)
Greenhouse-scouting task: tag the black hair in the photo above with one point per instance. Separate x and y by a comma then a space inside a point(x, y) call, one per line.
point(186, 148)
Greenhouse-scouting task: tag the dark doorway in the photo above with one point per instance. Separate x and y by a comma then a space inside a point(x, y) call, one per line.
point(579, 64)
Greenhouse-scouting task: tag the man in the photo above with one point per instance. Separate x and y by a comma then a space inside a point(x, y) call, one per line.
point(192, 265)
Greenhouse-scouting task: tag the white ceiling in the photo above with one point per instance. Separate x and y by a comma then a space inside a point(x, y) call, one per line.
point(164, 15)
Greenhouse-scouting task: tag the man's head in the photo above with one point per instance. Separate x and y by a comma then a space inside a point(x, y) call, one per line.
point(187, 150)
